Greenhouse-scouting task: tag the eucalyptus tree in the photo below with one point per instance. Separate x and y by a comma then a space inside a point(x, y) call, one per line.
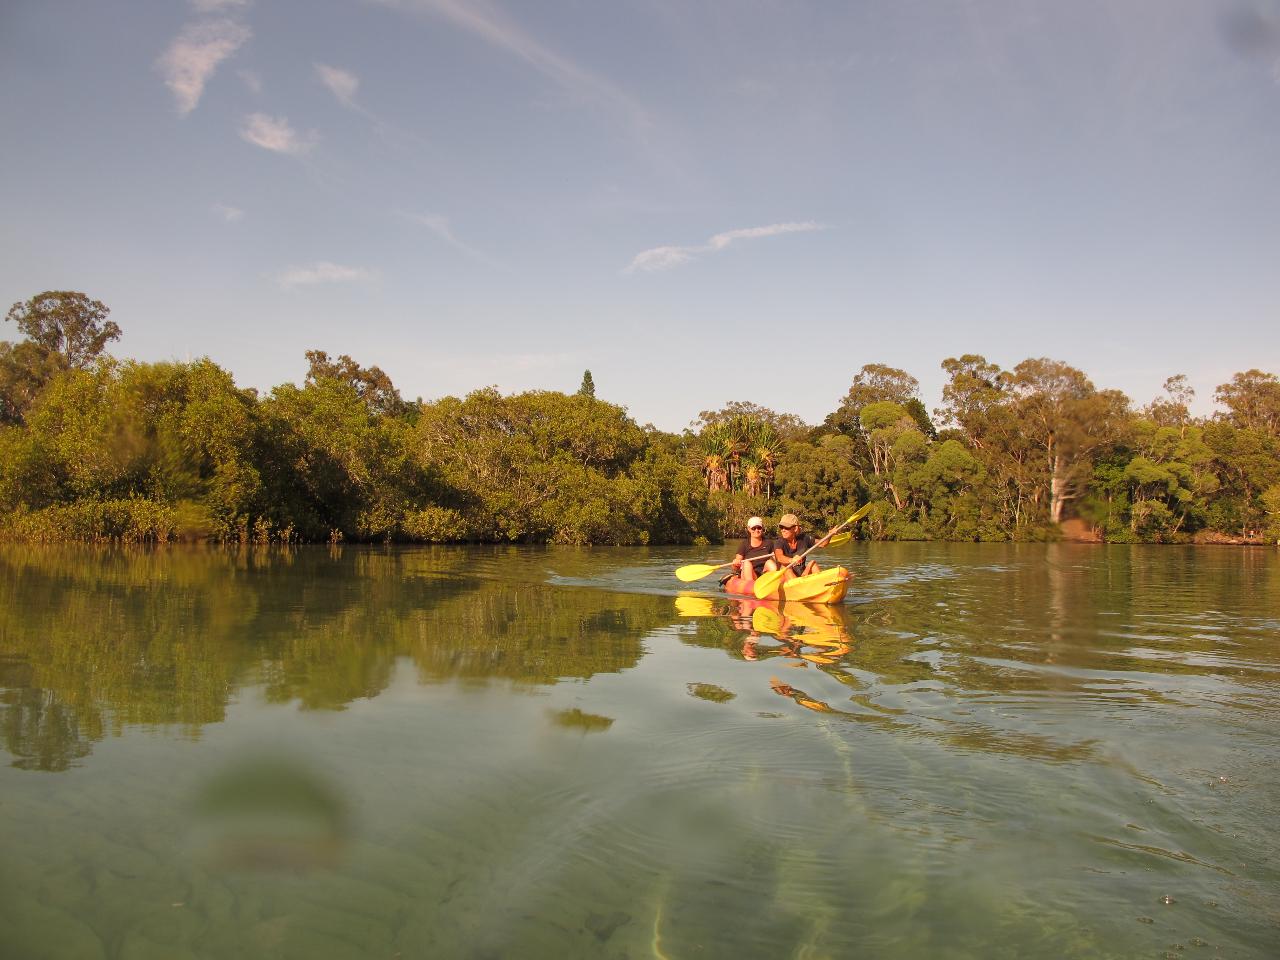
point(1068, 420)
point(64, 330)
point(874, 383)
point(1252, 399)
point(1174, 408)
point(67, 324)
point(371, 384)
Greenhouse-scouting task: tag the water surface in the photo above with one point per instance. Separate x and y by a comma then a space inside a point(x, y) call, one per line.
point(987, 751)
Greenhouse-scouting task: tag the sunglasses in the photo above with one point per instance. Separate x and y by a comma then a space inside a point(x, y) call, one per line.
point(791, 527)
point(756, 527)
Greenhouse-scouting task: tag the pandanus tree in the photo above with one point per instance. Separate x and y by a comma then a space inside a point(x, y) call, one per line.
point(740, 453)
point(765, 446)
point(714, 458)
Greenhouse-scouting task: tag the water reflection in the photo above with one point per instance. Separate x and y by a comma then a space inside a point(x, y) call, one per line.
point(94, 641)
point(1041, 742)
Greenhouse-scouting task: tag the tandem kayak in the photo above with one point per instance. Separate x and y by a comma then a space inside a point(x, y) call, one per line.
point(826, 586)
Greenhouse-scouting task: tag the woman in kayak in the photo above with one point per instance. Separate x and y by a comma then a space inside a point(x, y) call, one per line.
point(754, 556)
point(791, 543)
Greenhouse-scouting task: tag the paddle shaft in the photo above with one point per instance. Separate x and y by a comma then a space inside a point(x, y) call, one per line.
point(826, 540)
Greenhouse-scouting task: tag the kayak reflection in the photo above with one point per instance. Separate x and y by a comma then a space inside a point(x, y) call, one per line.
point(795, 634)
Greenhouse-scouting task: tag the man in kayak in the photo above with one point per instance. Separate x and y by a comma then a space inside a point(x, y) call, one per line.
point(756, 549)
point(792, 542)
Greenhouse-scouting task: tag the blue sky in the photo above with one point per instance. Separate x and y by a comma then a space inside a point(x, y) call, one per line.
point(700, 202)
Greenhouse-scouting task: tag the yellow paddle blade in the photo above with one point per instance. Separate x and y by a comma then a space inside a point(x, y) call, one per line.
point(766, 583)
point(695, 571)
point(839, 539)
point(862, 511)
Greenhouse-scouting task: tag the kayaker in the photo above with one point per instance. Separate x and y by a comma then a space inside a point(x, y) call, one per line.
point(757, 548)
point(791, 543)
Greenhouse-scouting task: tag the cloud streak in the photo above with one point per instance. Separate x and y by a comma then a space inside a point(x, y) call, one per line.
point(440, 227)
point(194, 56)
point(343, 84)
point(275, 134)
point(664, 258)
point(490, 24)
point(212, 6)
point(228, 213)
point(320, 272)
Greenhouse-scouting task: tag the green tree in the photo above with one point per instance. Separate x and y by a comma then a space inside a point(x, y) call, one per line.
point(784, 426)
point(1174, 408)
point(67, 324)
point(1252, 400)
point(874, 383)
point(544, 467)
point(820, 482)
point(65, 330)
point(370, 383)
point(331, 462)
point(588, 387)
point(1068, 421)
point(892, 440)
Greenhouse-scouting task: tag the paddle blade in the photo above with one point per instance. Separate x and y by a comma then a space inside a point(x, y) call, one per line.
point(766, 583)
point(695, 571)
point(862, 511)
point(839, 539)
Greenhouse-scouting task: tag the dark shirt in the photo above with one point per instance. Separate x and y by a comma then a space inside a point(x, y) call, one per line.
point(764, 551)
point(803, 543)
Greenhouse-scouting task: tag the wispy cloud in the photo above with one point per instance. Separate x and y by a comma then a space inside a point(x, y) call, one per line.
point(228, 213)
point(440, 227)
point(275, 134)
point(252, 81)
point(663, 258)
point(195, 54)
point(492, 25)
point(343, 84)
point(320, 272)
point(214, 6)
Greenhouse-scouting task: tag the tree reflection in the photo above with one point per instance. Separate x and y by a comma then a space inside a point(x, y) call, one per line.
point(94, 641)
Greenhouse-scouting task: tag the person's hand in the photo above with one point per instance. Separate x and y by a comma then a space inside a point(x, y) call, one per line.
point(737, 564)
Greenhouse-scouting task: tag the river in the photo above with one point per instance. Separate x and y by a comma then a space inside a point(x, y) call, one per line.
point(989, 750)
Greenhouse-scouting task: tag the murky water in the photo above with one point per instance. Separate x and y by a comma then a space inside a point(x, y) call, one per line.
point(987, 751)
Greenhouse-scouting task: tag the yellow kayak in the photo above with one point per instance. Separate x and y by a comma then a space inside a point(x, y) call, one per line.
point(826, 586)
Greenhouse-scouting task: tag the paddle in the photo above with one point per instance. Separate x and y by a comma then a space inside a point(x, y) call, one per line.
point(767, 582)
point(696, 571)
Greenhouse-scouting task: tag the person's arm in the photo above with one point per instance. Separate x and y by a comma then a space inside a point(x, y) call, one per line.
point(743, 546)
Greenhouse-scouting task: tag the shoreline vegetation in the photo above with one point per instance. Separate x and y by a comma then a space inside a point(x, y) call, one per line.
point(98, 449)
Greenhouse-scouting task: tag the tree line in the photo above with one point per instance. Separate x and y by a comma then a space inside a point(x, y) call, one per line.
point(97, 448)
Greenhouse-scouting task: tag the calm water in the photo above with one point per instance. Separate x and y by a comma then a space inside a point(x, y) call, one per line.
point(988, 751)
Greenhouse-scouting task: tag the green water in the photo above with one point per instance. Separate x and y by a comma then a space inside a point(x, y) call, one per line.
point(987, 751)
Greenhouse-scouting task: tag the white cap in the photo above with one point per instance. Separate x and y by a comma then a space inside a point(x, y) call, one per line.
point(754, 522)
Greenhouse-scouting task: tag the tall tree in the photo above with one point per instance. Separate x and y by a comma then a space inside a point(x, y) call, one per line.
point(588, 388)
point(1068, 420)
point(1174, 408)
point(1252, 400)
point(67, 324)
point(874, 383)
point(65, 330)
point(371, 384)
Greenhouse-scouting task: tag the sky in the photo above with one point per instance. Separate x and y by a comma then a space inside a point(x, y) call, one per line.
point(700, 202)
